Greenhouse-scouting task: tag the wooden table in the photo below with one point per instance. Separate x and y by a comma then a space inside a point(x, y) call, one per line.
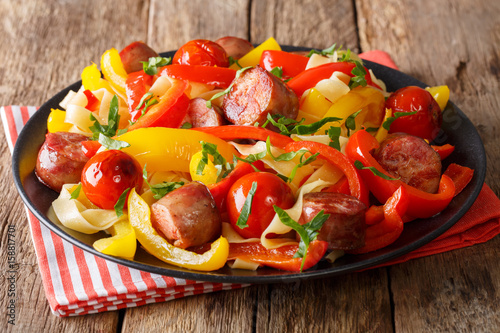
point(45, 45)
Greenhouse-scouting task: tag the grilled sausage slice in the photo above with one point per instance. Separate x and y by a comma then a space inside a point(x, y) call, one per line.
point(133, 54)
point(201, 116)
point(345, 228)
point(187, 216)
point(255, 94)
point(60, 159)
point(234, 46)
point(412, 159)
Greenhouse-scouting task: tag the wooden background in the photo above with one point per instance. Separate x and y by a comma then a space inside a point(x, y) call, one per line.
point(44, 45)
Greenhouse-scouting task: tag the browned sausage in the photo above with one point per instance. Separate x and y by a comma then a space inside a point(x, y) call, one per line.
point(412, 159)
point(257, 93)
point(60, 159)
point(345, 228)
point(234, 46)
point(202, 116)
point(187, 216)
point(133, 54)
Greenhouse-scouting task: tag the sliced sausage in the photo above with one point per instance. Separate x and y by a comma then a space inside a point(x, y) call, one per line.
point(187, 216)
point(412, 160)
point(202, 116)
point(234, 46)
point(257, 93)
point(60, 159)
point(134, 53)
point(345, 228)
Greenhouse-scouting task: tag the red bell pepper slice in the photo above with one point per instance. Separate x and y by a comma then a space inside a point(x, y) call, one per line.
point(92, 101)
point(342, 186)
point(291, 64)
point(136, 86)
point(308, 78)
point(169, 112)
point(215, 76)
point(386, 232)
point(220, 190)
point(444, 151)
point(335, 157)
point(374, 215)
point(422, 204)
point(90, 148)
point(460, 175)
point(232, 132)
point(279, 258)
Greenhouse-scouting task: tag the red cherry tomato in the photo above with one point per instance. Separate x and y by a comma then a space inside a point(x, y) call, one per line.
point(201, 52)
point(271, 190)
point(425, 123)
point(107, 175)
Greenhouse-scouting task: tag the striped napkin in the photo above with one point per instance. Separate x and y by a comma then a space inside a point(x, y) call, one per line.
point(78, 283)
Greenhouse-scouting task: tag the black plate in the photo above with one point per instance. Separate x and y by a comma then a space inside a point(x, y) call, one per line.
point(457, 130)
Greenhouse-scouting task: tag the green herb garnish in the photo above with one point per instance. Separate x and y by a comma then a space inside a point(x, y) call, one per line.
point(161, 189)
point(228, 89)
point(247, 208)
point(277, 71)
point(121, 202)
point(334, 135)
point(76, 191)
point(307, 232)
point(387, 124)
point(359, 73)
point(359, 165)
point(151, 67)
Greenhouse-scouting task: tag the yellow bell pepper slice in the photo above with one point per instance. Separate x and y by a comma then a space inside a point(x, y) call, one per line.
point(113, 70)
point(55, 121)
point(252, 58)
point(382, 132)
point(92, 80)
point(122, 242)
point(441, 94)
point(170, 149)
point(140, 219)
point(209, 173)
point(315, 104)
point(371, 101)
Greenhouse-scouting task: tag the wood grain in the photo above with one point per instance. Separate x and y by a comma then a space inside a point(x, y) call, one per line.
point(46, 44)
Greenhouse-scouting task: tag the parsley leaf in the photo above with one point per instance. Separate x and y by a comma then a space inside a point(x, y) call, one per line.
point(76, 191)
point(247, 208)
point(350, 122)
point(228, 89)
point(113, 121)
point(109, 143)
point(387, 124)
point(151, 67)
point(234, 61)
point(277, 71)
point(359, 165)
point(161, 189)
point(325, 52)
point(187, 125)
point(334, 135)
point(220, 163)
point(121, 202)
point(307, 232)
point(289, 126)
point(359, 73)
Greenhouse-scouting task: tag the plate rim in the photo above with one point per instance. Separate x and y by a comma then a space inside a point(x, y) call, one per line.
point(281, 276)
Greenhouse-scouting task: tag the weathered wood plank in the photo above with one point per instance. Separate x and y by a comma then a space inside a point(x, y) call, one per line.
point(308, 23)
point(451, 43)
point(45, 45)
point(457, 291)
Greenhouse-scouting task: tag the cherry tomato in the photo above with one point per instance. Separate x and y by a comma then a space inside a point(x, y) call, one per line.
point(201, 52)
point(107, 175)
point(426, 122)
point(271, 190)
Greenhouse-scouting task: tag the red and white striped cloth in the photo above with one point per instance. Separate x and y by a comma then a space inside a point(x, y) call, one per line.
point(77, 282)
